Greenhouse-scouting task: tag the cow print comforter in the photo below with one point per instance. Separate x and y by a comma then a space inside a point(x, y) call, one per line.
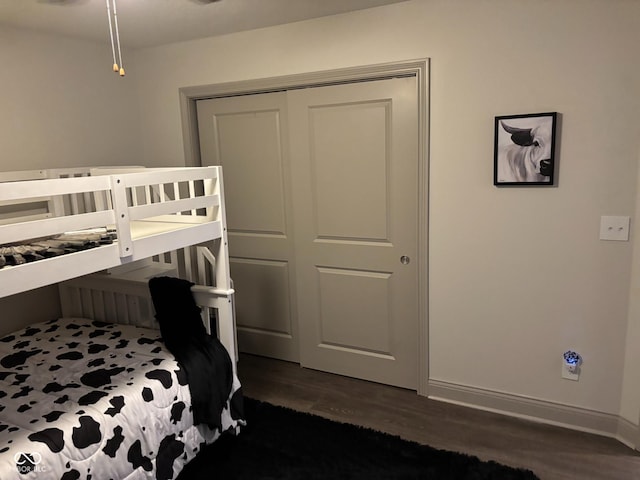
point(89, 400)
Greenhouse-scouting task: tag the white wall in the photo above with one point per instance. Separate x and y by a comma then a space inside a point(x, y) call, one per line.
point(630, 404)
point(60, 106)
point(37, 305)
point(517, 275)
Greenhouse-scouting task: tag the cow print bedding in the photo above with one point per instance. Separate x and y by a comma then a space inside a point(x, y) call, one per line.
point(89, 400)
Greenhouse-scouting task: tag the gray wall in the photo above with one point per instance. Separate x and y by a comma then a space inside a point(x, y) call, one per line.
point(60, 106)
point(516, 276)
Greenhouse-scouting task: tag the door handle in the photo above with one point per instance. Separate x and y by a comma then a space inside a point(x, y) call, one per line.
point(404, 259)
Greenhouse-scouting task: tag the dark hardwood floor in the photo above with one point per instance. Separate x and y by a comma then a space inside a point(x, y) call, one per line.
point(553, 453)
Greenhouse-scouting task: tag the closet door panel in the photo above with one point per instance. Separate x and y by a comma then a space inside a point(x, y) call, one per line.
point(247, 136)
point(355, 188)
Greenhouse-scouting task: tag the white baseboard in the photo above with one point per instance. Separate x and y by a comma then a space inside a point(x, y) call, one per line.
point(628, 433)
point(575, 418)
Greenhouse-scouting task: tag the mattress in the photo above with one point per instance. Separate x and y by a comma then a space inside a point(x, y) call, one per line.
point(81, 399)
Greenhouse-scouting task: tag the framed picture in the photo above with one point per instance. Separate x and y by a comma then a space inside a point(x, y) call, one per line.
point(524, 149)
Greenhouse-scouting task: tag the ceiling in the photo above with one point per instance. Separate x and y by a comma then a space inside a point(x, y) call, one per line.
point(146, 23)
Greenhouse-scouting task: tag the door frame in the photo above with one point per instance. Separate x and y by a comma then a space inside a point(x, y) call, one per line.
point(416, 68)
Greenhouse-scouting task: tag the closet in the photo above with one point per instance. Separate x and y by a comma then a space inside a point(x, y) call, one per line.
point(322, 188)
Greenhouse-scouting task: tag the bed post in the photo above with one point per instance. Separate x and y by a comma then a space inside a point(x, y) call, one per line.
point(226, 317)
point(223, 277)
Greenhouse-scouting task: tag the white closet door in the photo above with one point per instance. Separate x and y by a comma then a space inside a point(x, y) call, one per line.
point(354, 151)
point(247, 136)
point(334, 169)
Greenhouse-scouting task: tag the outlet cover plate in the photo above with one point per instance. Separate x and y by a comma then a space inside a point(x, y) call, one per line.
point(568, 375)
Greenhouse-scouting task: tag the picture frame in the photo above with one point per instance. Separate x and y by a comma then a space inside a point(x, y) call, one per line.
point(524, 149)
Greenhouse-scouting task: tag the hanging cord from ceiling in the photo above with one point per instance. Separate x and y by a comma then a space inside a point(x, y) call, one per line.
point(116, 68)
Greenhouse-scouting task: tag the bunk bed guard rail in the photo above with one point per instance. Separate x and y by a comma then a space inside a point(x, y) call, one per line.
point(151, 211)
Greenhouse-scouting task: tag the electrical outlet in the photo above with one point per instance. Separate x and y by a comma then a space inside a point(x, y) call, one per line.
point(571, 362)
point(569, 375)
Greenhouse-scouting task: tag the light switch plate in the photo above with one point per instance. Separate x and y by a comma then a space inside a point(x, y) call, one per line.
point(614, 228)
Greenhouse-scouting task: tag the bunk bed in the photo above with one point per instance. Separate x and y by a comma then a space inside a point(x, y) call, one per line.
point(97, 393)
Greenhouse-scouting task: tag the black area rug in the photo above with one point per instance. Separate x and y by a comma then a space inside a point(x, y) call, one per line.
point(279, 443)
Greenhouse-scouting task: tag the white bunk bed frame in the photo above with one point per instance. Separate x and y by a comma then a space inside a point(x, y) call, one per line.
point(153, 211)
